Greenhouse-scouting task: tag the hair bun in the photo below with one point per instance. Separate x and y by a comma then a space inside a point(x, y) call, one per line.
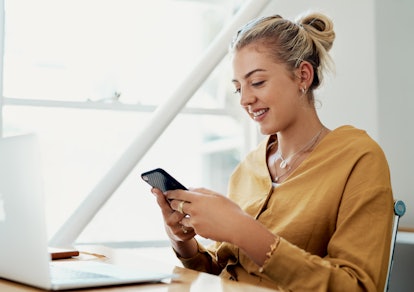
point(319, 27)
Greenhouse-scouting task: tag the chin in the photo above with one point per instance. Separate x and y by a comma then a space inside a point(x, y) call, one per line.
point(265, 131)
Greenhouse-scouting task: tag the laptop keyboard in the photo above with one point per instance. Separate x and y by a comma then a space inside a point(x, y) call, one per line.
point(62, 273)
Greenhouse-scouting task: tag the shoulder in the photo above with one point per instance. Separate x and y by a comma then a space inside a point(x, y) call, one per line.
point(348, 131)
point(353, 145)
point(351, 137)
point(254, 163)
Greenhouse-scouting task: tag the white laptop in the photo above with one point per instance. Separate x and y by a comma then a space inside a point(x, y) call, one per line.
point(24, 255)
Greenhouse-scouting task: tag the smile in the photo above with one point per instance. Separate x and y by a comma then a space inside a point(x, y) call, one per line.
point(258, 113)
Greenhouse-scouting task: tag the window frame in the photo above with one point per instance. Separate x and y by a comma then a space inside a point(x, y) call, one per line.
point(251, 137)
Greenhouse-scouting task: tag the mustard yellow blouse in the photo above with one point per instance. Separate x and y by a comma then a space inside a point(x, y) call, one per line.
point(333, 214)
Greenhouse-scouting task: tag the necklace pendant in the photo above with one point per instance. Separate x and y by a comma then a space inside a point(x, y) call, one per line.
point(276, 179)
point(283, 164)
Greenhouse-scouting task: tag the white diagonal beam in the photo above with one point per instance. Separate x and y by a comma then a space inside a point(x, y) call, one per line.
point(159, 121)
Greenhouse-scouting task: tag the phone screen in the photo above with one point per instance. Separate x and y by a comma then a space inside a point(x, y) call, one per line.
point(160, 179)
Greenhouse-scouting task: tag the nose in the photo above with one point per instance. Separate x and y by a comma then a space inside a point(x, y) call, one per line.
point(246, 97)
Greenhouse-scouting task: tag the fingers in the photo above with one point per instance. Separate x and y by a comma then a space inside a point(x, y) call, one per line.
point(187, 232)
point(162, 202)
point(168, 206)
point(186, 222)
point(180, 231)
point(203, 191)
point(190, 195)
point(184, 218)
point(180, 200)
point(179, 195)
point(173, 213)
point(182, 207)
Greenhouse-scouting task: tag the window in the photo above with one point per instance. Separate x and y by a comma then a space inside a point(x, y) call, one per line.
point(87, 74)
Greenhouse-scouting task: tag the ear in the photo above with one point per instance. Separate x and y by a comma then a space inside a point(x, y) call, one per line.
point(305, 74)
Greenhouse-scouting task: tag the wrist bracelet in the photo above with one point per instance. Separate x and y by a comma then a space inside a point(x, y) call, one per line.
point(269, 254)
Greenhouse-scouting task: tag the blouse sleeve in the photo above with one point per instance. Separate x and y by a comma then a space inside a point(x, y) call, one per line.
point(203, 261)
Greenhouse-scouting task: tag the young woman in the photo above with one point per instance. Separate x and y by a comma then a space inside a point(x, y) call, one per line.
point(309, 209)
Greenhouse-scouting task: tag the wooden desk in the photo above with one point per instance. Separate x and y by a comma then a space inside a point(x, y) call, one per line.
point(187, 280)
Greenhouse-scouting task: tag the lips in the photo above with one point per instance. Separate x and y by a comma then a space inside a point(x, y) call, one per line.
point(258, 113)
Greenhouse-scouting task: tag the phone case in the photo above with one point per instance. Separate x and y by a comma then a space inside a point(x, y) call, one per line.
point(159, 178)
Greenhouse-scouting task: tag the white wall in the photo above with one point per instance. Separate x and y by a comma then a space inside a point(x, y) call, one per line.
point(372, 88)
point(348, 96)
point(1, 62)
point(395, 63)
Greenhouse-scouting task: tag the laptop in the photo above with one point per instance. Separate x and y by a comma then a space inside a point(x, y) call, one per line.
point(24, 255)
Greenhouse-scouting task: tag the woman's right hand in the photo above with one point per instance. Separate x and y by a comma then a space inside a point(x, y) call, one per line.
point(172, 219)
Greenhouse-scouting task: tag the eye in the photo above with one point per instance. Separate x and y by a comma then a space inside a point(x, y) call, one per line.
point(236, 91)
point(258, 84)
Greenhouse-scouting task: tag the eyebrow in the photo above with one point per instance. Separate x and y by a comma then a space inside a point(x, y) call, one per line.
point(248, 74)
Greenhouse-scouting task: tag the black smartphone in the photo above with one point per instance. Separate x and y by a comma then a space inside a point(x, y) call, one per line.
point(160, 179)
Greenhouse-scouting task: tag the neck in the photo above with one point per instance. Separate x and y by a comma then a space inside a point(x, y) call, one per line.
point(291, 141)
point(294, 137)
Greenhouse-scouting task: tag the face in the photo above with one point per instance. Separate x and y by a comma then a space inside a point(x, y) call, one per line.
point(268, 91)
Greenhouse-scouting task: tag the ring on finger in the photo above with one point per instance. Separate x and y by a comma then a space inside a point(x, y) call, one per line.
point(180, 207)
point(185, 230)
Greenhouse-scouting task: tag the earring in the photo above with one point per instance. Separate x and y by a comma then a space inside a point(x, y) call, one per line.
point(303, 89)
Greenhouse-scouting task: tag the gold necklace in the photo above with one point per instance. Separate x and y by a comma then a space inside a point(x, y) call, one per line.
point(277, 177)
point(284, 163)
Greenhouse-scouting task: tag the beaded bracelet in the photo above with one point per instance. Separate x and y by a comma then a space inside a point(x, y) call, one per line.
point(269, 254)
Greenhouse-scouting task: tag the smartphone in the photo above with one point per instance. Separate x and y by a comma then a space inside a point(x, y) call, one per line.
point(160, 179)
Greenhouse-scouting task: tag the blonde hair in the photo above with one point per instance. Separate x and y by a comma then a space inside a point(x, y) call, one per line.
point(309, 38)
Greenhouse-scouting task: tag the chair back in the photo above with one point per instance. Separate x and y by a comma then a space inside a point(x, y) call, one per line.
point(399, 210)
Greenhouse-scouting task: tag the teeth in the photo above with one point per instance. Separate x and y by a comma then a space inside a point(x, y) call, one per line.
point(258, 113)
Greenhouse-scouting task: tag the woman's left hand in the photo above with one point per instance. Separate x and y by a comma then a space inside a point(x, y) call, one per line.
point(210, 214)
